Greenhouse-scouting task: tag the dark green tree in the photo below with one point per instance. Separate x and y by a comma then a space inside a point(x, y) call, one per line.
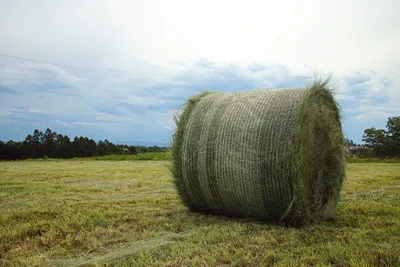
point(393, 132)
point(376, 139)
point(48, 141)
point(2, 151)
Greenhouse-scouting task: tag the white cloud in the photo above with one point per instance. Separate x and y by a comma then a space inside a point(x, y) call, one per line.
point(372, 115)
point(62, 123)
point(89, 124)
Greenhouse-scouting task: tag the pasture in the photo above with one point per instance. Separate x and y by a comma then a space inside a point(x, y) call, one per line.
point(127, 213)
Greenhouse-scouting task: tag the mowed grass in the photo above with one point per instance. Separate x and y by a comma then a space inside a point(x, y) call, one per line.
point(127, 213)
point(158, 156)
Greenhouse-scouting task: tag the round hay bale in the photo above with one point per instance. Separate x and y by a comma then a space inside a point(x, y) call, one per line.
point(272, 154)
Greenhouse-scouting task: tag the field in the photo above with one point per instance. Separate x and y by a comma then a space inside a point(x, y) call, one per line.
point(127, 213)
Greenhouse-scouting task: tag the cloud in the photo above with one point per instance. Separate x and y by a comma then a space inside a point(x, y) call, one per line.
point(119, 70)
point(352, 35)
point(62, 123)
point(367, 98)
point(367, 90)
point(124, 108)
point(371, 115)
point(140, 108)
point(4, 89)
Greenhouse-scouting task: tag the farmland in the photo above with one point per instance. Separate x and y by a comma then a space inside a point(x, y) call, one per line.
point(127, 213)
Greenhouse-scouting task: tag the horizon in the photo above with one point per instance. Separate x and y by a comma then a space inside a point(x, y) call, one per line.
point(120, 71)
point(131, 142)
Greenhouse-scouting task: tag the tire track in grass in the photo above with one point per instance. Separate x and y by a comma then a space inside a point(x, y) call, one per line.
point(127, 250)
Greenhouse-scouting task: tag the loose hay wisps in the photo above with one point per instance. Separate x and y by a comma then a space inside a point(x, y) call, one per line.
point(272, 154)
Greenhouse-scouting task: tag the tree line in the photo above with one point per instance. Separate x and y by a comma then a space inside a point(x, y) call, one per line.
point(50, 144)
point(384, 142)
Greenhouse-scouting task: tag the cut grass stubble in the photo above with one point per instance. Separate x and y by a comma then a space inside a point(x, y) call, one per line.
point(127, 213)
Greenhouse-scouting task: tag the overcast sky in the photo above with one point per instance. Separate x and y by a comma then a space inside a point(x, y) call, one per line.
point(120, 69)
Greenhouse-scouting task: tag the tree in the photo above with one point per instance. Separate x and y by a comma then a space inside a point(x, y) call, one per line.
point(78, 148)
point(48, 141)
point(66, 149)
point(376, 139)
point(2, 151)
point(13, 150)
point(101, 148)
point(393, 126)
point(37, 136)
point(28, 148)
point(37, 146)
point(91, 147)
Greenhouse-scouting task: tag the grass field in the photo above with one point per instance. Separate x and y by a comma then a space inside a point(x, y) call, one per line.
point(127, 213)
point(158, 156)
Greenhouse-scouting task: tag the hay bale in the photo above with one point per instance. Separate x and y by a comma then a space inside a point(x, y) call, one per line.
point(272, 154)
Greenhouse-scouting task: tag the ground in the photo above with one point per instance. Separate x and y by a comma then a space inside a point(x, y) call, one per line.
point(127, 213)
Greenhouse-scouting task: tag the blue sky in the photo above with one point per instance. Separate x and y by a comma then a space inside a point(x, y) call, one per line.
point(120, 70)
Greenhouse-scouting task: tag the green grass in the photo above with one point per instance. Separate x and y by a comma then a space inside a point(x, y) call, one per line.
point(144, 156)
point(375, 160)
point(157, 156)
point(127, 213)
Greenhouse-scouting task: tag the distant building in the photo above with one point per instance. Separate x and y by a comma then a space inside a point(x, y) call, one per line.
point(353, 149)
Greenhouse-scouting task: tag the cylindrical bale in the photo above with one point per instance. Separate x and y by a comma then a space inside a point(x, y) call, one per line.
point(271, 154)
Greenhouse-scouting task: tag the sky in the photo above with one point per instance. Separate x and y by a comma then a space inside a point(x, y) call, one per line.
point(120, 70)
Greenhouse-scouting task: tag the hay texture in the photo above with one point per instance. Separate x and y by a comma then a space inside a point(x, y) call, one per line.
point(271, 154)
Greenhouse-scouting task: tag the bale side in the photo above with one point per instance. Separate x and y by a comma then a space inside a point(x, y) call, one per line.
point(319, 161)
